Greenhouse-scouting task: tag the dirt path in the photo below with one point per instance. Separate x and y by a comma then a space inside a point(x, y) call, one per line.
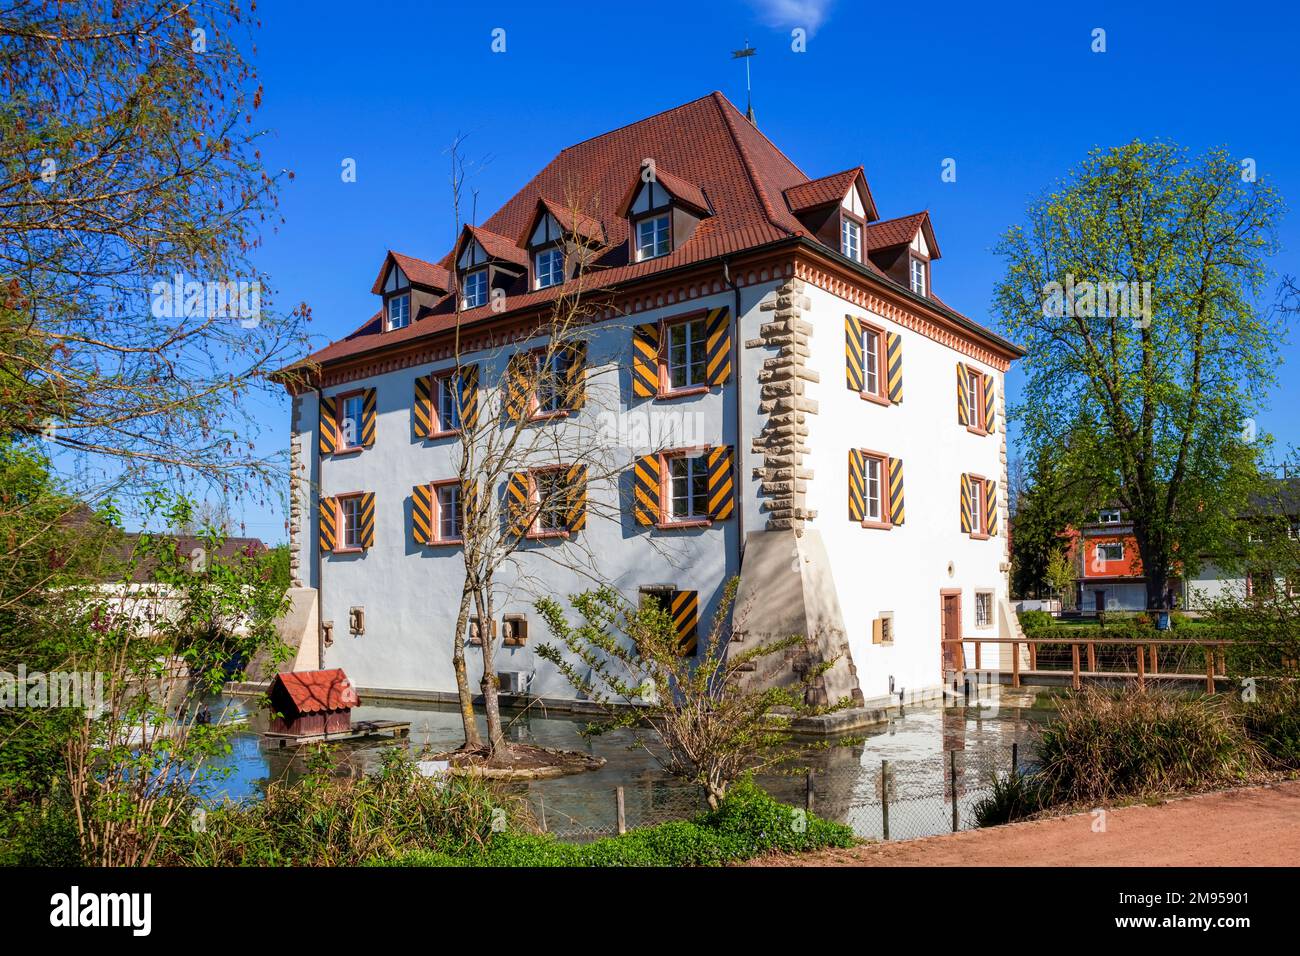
point(1259, 826)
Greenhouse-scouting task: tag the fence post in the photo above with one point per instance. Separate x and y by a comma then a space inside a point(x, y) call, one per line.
point(1015, 664)
point(1074, 658)
point(952, 760)
point(1092, 657)
point(1142, 675)
point(1155, 658)
point(809, 799)
point(884, 798)
point(1209, 669)
point(1033, 655)
point(1015, 757)
point(622, 813)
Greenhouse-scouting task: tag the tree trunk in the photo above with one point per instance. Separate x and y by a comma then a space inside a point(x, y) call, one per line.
point(1154, 567)
point(463, 691)
point(497, 747)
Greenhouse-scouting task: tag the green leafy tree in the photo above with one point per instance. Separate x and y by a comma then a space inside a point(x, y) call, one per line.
point(1053, 498)
point(1163, 383)
point(702, 727)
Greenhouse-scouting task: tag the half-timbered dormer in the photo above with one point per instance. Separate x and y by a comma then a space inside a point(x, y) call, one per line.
point(663, 212)
point(903, 249)
point(560, 241)
point(486, 261)
point(408, 287)
point(836, 209)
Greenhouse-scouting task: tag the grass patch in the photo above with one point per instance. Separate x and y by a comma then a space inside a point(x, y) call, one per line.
point(1013, 796)
point(748, 823)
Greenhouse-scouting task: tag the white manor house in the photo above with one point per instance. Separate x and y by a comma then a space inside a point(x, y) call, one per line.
point(845, 457)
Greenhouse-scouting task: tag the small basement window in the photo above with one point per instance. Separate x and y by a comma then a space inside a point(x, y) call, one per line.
point(983, 608)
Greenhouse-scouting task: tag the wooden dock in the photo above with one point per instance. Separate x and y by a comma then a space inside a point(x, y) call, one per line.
point(361, 730)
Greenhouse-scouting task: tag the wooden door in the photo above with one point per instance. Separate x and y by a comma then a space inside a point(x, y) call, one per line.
point(950, 630)
point(1099, 600)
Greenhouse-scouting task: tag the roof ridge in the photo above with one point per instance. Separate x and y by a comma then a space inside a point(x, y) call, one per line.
point(747, 163)
point(636, 122)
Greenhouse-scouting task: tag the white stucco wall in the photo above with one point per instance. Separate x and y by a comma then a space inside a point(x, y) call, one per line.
point(902, 569)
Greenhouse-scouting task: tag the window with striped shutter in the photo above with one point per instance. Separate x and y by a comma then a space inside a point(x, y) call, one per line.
point(328, 525)
point(685, 609)
point(645, 360)
point(645, 490)
point(518, 386)
point(575, 373)
point(422, 514)
point(722, 484)
point(718, 346)
point(894, 366)
point(329, 425)
point(469, 396)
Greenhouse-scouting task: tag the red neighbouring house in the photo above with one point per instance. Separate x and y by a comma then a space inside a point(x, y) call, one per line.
point(312, 702)
point(1109, 568)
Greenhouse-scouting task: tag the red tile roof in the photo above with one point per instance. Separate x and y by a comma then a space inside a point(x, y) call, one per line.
point(417, 270)
point(572, 221)
point(315, 691)
point(821, 192)
point(687, 193)
point(497, 246)
point(715, 155)
point(899, 232)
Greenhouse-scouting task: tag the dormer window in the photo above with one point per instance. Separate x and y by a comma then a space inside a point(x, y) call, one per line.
point(476, 289)
point(653, 236)
point(918, 276)
point(1110, 517)
point(399, 311)
point(851, 238)
point(548, 265)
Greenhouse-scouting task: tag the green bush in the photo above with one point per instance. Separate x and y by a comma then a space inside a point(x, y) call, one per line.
point(1273, 722)
point(1012, 797)
point(748, 823)
point(1032, 619)
point(1103, 747)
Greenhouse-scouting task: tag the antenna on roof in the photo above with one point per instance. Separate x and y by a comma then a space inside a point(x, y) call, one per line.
point(745, 54)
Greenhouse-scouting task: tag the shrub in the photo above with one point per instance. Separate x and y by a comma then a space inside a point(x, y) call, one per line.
point(1035, 619)
point(326, 821)
point(1107, 747)
point(1273, 722)
point(1012, 797)
point(747, 823)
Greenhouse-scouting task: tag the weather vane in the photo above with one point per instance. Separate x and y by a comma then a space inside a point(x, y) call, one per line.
point(745, 54)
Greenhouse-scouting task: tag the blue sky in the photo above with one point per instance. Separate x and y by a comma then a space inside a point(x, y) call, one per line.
point(1014, 95)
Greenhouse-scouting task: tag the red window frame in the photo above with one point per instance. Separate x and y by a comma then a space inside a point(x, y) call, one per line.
point(438, 381)
point(881, 395)
point(340, 523)
point(978, 504)
point(340, 402)
point(884, 522)
point(434, 487)
point(535, 531)
point(975, 411)
point(666, 391)
point(666, 520)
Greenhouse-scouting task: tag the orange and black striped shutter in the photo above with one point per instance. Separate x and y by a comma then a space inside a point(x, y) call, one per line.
point(645, 360)
point(857, 500)
point(469, 396)
point(965, 504)
point(685, 609)
point(368, 418)
point(990, 408)
point(329, 425)
point(519, 502)
point(368, 520)
point(328, 525)
point(575, 385)
point(722, 483)
point(517, 387)
point(422, 408)
point(852, 353)
point(991, 507)
point(469, 504)
point(576, 486)
point(422, 514)
point(894, 366)
point(645, 490)
point(896, 510)
point(963, 396)
point(717, 330)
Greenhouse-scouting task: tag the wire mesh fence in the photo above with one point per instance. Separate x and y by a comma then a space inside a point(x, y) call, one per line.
point(878, 797)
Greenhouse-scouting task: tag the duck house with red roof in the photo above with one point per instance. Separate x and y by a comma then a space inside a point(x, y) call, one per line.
point(764, 384)
point(312, 703)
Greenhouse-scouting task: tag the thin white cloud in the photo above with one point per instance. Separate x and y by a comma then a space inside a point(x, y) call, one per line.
point(809, 14)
